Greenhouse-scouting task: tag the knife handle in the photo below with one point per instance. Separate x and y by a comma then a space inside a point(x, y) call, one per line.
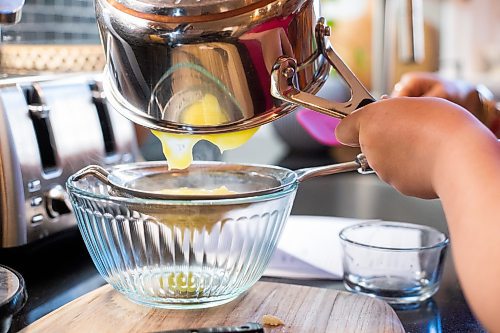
point(245, 328)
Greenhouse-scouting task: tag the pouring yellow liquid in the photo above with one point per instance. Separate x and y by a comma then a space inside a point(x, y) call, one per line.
point(178, 148)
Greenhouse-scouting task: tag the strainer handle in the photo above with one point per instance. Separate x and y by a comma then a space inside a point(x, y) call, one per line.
point(283, 81)
point(360, 164)
point(93, 170)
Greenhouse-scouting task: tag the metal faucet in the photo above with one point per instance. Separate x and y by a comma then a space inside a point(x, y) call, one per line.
point(10, 11)
point(398, 37)
point(411, 42)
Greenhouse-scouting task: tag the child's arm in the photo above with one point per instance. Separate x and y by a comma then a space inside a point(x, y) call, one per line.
point(429, 147)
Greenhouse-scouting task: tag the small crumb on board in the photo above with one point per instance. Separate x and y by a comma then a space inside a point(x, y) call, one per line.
point(271, 320)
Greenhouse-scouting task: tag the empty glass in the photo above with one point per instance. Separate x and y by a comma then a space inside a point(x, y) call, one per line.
point(400, 263)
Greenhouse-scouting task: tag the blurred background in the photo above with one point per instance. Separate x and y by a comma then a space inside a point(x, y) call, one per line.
point(53, 36)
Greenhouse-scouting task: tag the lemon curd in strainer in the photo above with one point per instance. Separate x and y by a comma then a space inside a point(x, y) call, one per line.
point(223, 190)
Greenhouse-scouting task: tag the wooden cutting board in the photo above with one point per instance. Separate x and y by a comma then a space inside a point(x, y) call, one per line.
point(302, 309)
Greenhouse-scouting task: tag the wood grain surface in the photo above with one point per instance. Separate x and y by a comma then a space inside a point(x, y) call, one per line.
point(302, 309)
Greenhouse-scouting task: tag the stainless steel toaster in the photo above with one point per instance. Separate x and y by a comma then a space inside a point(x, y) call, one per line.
point(50, 127)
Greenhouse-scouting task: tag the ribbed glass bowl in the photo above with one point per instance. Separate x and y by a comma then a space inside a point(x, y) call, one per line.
point(178, 253)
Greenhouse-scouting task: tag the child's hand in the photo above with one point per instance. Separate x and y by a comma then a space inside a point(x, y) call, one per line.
point(432, 85)
point(409, 141)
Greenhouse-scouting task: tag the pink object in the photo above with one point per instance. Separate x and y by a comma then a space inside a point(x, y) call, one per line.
point(320, 126)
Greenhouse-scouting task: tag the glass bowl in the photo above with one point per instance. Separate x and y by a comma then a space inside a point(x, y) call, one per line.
point(179, 253)
point(400, 263)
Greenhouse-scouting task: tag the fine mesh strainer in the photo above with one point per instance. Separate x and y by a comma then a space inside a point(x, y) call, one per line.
point(179, 253)
point(150, 180)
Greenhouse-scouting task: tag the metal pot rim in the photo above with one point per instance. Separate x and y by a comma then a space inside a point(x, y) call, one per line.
point(181, 14)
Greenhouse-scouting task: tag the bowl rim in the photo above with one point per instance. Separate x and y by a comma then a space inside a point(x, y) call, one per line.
point(291, 185)
point(393, 224)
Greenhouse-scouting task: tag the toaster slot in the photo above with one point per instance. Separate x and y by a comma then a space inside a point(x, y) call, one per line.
point(39, 114)
point(104, 119)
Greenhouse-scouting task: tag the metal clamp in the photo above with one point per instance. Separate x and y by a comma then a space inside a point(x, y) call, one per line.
point(283, 81)
point(364, 167)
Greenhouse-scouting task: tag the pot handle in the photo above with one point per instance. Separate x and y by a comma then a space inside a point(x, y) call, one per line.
point(283, 81)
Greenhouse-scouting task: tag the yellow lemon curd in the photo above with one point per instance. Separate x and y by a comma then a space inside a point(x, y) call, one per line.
point(197, 191)
point(180, 282)
point(178, 148)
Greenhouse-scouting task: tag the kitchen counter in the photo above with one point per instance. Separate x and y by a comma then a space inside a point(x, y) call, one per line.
point(59, 269)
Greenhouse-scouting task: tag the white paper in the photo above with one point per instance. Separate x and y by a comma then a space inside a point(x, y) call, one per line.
point(284, 265)
point(309, 248)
